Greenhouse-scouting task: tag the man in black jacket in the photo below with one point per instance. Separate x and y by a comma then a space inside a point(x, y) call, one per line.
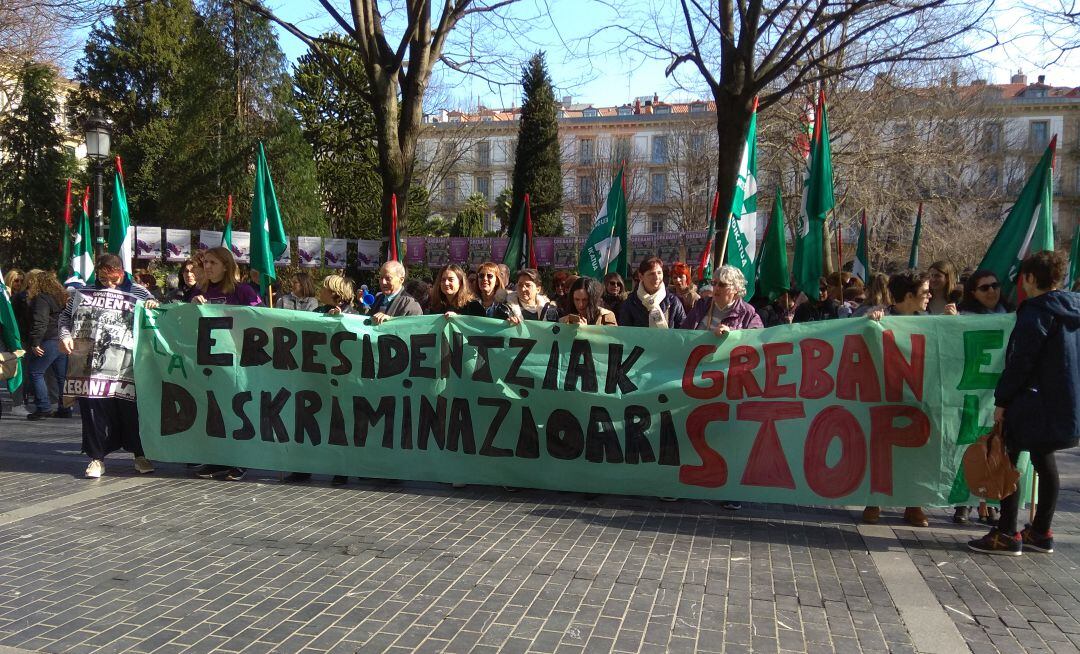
point(1038, 398)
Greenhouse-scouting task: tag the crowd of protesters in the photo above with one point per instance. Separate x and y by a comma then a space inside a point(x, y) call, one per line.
point(658, 297)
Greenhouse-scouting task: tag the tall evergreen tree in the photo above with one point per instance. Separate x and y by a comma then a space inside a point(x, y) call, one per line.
point(133, 69)
point(340, 127)
point(32, 171)
point(537, 164)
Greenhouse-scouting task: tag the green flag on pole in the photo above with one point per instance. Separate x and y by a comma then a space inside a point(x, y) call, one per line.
point(268, 240)
point(913, 258)
point(1074, 261)
point(82, 245)
point(605, 249)
point(860, 267)
point(10, 332)
point(120, 237)
point(521, 249)
point(742, 219)
point(1028, 228)
point(226, 235)
point(772, 264)
point(817, 202)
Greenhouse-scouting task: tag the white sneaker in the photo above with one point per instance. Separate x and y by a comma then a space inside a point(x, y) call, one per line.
point(95, 469)
point(143, 465)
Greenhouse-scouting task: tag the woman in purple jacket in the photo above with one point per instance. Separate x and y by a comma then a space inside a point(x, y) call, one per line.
point(220, 284)
point(725, 311)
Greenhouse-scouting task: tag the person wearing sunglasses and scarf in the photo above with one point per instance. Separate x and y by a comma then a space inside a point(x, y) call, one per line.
point(982, 295)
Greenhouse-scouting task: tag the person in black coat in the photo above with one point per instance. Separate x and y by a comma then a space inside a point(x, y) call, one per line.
point(47, 299)
point(1038, 398)
point(650, 305)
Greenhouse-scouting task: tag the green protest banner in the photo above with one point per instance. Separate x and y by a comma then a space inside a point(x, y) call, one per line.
point(847, 412)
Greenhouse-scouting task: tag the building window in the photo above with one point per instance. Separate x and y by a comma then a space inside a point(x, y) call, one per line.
point(660, 149)
point(449, 190)
point(585, 190)
point(623, 150)
point(656, 223)
point(590, 113)
point(586, 152)
point(658, 188)
point(625, 111)
point(584, 224)
point(991, 137)
point(483, 186)
point(993, 177)
point(1039, 134)
point(697, 144)
point(664, 109)
point(697, 107)
point(483, 153)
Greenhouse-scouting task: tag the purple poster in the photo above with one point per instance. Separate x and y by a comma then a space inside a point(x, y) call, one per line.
point(459, 250)
point(667, 247)
point(566, 252)
point(498, 249)
point(438, 252)
point(695, 245)
point(479, 251)
point(545, 251)
point(642, 246)
point(414, 249)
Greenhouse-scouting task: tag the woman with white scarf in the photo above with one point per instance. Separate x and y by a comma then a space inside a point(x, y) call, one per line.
point(528, 301)
point(650, 305)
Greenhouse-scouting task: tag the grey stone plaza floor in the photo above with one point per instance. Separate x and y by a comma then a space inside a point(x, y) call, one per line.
point(168, 563)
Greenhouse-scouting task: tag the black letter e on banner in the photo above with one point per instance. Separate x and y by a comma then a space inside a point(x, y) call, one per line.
point(203, 356)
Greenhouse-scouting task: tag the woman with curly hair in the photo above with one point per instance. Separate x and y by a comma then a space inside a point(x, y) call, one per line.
point(47, 299)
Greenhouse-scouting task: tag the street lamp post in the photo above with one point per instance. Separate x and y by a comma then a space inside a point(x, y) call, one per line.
point(97, 151)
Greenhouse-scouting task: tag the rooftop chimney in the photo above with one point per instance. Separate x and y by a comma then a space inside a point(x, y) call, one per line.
point(567, 101)
point(1019, 78)
point(655, 98)
point(637, 106)
point(1042, 79)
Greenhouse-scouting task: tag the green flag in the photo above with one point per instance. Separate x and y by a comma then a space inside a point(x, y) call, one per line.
point(742, 219)
point(521, 250)
point(605, 249)
point(268, 240)
point(913, 258)
point(1028, 228)
point(10, 332)
point(1074, 261)
point(82, 245)
point(226, 236)
point(120, 237)
point(772, 263)
point(817, 202)
point(860, 267)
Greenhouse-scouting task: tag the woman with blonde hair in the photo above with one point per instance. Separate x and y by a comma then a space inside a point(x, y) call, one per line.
point(450, 293)
point(490, 300)
point(219, 282)
point(47, 300)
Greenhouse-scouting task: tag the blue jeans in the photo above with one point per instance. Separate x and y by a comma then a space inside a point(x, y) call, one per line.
point(36, 367)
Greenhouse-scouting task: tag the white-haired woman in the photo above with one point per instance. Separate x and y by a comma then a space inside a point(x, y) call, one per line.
point(726, 311)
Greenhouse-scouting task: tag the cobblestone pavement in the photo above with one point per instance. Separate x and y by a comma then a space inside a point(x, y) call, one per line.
point(167, 563)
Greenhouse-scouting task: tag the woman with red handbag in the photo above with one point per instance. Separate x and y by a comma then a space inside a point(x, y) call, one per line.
point(1038, 399)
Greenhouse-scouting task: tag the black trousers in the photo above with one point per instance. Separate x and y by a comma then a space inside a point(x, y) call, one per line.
point(1049, 486)
point(108, 425)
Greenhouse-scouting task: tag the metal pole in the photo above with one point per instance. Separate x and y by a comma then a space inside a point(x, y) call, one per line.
point(99, 212)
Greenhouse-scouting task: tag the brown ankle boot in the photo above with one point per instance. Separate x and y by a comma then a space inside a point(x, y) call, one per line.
point(914, 516)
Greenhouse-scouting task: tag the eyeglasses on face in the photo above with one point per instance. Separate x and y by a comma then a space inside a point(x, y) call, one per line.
point(993, 286)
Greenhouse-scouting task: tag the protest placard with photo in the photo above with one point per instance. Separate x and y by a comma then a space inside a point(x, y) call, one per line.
point(100, 365)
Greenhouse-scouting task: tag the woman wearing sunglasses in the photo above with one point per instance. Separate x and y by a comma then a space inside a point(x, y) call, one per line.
point(982, 294)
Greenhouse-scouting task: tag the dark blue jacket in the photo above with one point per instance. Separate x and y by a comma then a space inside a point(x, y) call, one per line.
point(1040, 386)
point(632, 312)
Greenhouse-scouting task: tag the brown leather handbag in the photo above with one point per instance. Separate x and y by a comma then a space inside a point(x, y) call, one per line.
point(987, 469)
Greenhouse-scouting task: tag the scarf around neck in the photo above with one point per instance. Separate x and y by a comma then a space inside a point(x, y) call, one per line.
point(651, 302)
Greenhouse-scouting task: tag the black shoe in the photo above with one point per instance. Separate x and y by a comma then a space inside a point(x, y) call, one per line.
point(38, 415)
point(297, 478)
point(960, 516)
point(207, 471)
point(997, 542)
point(61, 413)
point(235, 474)
point(339, 480)
point(1037, 542)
